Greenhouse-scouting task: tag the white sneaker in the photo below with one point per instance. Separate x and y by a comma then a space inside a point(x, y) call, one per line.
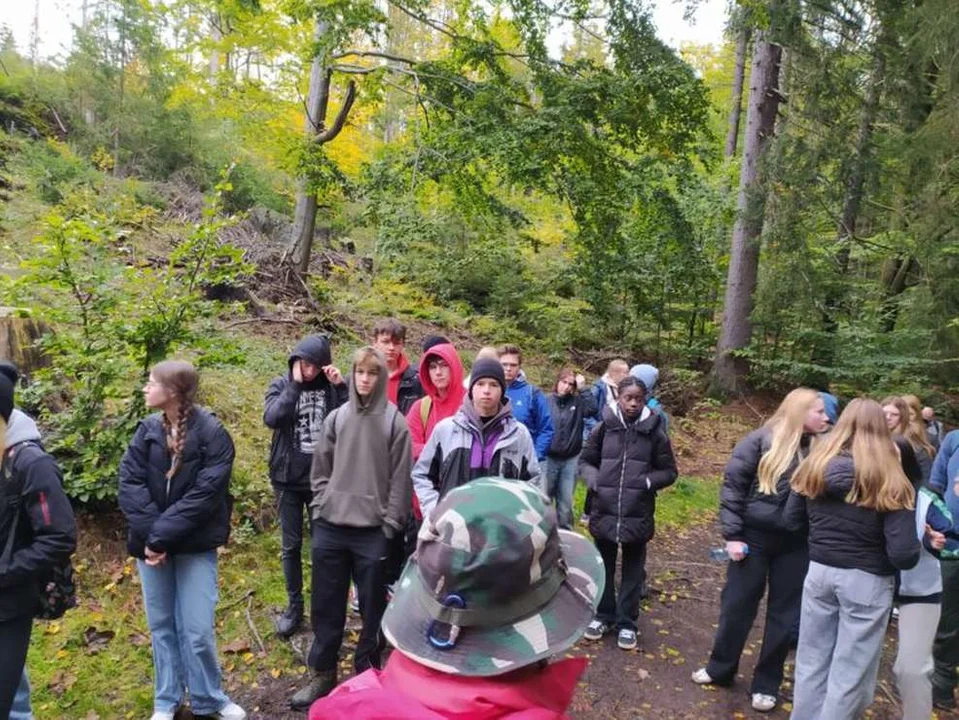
point(595, 630)
point(701, 677)
point(162, 716)
point(230, 711)
point(763, 703)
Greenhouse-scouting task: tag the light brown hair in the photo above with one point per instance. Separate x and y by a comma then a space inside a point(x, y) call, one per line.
point(916, 428)
point(880, 483)
point(787, 429)
point(392, 327)
point(564, 374)
point(181, 380)
point(903, 409)
point(368, 357)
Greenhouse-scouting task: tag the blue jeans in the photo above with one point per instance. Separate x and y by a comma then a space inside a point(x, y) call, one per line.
point(560, 484)
point(180, 598)
point(21, 709)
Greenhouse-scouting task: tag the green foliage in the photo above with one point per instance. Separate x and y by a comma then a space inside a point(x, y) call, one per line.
point(113, 319)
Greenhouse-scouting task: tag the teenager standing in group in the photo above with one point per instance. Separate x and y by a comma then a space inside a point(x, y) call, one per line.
point(361, 501)
point(482, 439)
point(762, 550)
point(625, 461)
point(944, 480)
point(37, 529)
point(569, 407)
point(403, 385)
point(859, 507)
point(175, 494)
point(917, 435)
point(296, 406)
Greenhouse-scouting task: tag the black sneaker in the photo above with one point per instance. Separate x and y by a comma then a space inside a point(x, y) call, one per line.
point(289, 622)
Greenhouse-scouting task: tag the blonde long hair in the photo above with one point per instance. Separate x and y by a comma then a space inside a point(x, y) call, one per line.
point(787, 429)
point(880, 483)
point(916, 429)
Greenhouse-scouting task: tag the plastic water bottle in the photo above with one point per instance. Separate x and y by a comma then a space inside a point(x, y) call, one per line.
point(720, 555)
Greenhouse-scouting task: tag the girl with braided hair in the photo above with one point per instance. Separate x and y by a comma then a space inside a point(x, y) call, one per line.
point(174, 492)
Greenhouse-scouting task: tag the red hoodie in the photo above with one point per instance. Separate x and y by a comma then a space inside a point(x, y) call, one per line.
point(439, 409)
point(406, 690)
point(393, 382)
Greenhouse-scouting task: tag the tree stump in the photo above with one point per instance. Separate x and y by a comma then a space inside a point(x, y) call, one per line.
point(18, 340)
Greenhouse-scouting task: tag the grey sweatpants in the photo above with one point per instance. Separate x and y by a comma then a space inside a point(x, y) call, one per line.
point(843, 624)
point(913, 668)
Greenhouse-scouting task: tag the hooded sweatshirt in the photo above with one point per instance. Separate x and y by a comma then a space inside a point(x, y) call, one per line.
point(406, 690)
point(361, 466)
point(296, 411)
point(404, 386)
point(46, 530)
point(439, 408)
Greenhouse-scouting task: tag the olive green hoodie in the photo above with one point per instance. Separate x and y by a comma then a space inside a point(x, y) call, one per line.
point(362, 462)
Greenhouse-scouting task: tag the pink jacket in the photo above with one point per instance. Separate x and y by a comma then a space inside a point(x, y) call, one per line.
point(406, 690)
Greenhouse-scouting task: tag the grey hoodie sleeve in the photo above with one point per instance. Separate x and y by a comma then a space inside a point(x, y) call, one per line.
point(426, 474)
point(401, 488)
point(322, 466)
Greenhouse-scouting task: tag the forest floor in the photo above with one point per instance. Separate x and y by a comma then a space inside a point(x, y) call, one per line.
point(95, 663)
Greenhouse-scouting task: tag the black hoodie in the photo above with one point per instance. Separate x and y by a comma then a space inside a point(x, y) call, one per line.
point(296, 411)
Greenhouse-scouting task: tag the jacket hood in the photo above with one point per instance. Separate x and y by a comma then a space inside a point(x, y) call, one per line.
point(647, 422)
point(376, 403)
point(648, 375)
point(519, 382)
point(20, 428)
point(447, 353)
point(313, 348)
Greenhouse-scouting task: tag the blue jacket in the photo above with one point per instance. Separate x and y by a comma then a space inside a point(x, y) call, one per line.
point(945, 471)
point(531, 408)
point(189, 513)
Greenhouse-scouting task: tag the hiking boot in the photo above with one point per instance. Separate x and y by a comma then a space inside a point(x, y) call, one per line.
point(289, 622)
point(321, 684)
point(943, 700)
point(627, 639)
point(763, 703)
point(230, 711)
point(595, 630)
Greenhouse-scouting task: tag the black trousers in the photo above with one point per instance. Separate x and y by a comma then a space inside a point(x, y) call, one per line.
point(14, 641)
point(781, 561)
point(341, 553)
point(622, 610)
point(291, 505)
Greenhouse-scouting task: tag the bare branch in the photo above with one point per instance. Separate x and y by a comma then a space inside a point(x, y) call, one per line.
point(375, 54)
point(334, 129)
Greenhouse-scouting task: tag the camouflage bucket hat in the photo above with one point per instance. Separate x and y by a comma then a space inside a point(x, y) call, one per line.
point(494, 585)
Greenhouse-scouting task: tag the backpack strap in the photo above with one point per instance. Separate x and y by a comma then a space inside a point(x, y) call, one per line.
point(426, 404)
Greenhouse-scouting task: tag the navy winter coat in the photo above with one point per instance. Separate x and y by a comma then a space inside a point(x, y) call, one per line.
point(190, 513)
point(625, 465)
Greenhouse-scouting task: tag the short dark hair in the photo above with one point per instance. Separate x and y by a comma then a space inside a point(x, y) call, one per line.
point(392, 327)
point(630, 381)
point(511, 350)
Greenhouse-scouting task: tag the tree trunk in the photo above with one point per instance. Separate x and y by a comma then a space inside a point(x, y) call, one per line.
point(732, 134)
point(217, 35)
point(304, 218)
point(729, 371)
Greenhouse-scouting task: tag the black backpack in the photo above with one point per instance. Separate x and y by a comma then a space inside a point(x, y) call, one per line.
point(57, 589)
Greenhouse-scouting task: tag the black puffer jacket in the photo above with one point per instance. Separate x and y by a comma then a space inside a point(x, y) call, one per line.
point(190, 513)
point(741, 506)
point(625, 465)
point(849, 536)
point(569, 413)
point(290, 468)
